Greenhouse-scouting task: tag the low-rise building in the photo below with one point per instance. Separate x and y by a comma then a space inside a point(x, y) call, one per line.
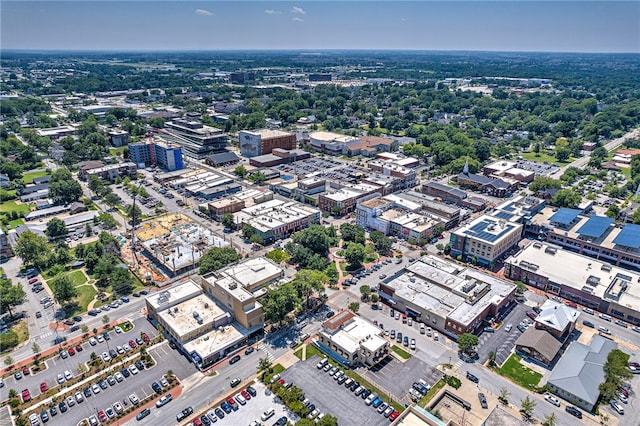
point(55, 133)
point(352, 341)
point(453, 195)
point(412, 226)
point(581, 279)
point(111, 172)
point(577, 376)
point(277, 219)
point(485, 239)
point(447, 297)
point(508, 169)
point(238, 201)
point(279, 156)
point(331, 143)
point(119, 138)
point(344, 200)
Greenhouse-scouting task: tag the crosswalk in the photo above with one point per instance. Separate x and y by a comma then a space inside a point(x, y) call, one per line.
point(46, 335)
point(265, 349)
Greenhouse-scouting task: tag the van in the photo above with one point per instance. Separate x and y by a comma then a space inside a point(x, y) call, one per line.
point(302, 324)
point(605, 317)
point(268, 414)
point(48, 304)
point(321, 363)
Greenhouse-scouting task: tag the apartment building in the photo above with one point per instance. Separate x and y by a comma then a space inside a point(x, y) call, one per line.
point(264, 141)
point(156, 152)
point(277, 219)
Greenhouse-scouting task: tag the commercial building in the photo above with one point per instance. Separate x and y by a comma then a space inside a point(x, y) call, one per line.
point(453, 195)
point(485, 239)
point(508, 169)
point(55, 133)
point(111, 172)
point(222, 159)
point(156, 152)
point(277, 219)
point(198, 140)
point(279, 156)
point(369, 146)
point(407, 175)
point(581, 279)
point(352, 341)
point(412, 226)
point(446, 296)
point(577, 376)
point(496, 187)
point(260, 142)
point(238, 201)
point(593, 235)
point(344, 200)
point(519, 209)
point(332, 143)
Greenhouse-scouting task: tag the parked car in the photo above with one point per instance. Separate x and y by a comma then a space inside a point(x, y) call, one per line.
point(552, 399)
point(483, 400)
point(616, 406)
point(589, 324)
point(573, 411)
point(473, 378)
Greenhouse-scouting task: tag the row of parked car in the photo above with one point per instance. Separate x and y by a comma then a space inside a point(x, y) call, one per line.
point(370, 398)
point(231, 404)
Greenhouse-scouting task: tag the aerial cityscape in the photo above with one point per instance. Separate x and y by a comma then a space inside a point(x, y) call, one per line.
point(322, 213)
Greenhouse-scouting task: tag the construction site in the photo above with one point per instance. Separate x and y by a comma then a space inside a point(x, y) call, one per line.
point(174, 243)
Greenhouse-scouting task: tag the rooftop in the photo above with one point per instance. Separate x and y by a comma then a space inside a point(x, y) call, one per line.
point(166, 298)
point(253, 271)
point(565, 216)
point(194, 313)
point(216, 340)
point(267, 133)
point(557, 315)
point(629, 236)
point(541, 340)
point(489, 229)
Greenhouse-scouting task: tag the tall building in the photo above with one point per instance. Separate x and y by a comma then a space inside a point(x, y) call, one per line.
point(199, 141)
point(156, 153)
point(261, 142)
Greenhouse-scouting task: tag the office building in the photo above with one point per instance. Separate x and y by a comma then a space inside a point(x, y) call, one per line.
point(156, 153)
point(261, 142)
point(198, 140)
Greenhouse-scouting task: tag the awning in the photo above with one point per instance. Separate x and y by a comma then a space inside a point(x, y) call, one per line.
point(387, 297)
point(333, 354)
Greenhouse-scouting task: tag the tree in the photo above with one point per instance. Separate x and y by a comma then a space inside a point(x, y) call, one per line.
point(105, 319)
point(354, 254)
point(365, 291)
point(382, 242)
point(635, 166)
point(88, 230)
point(504, 395)
point(544, 182)
point(562, 154)
point(278, 302)
point(248, 231)
point(96, 185)
point(613, 211)
point(122, 281)
point(217, 258)
point(8, 360)
point(264, 365)
point(526, 406)
point(352, 233)
point(328, 420)
point(63, 289)
point(258, 178)
point(133, 211)
point(314, 238)
point(257, 239)
point(566, 198)
point(354, 307)
point(63, 188)
point(56, 228)
point(240, 171)
point(10, 295)
point(30, 247)
point(308, 282)
point(112, 199)
point(550, 420)
point(467, 341)
point(492, 358)
point(35, 348)
point(227, 220)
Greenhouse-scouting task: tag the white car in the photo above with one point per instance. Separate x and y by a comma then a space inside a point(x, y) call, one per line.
point(616, 406)
point(106, 357)
point(68, 375)
point(134, 399)
point(133, 369)
point(240, 399)
point(508, 328)
point(163, 382)
point(100, 338)
point(95, 389)
point(70, 401)
point(552, 399)
point(118, 407)
point(126, 347)
point(119, 349)
point(117, 329)
point(93, 341)
point(60, 379)
point(413, 344)
point(79, 397)
point(119, 377)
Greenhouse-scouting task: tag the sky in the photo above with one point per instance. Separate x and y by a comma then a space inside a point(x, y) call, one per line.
point(548, 25)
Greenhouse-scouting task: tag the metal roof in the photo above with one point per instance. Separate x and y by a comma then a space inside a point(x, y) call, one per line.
point(565, 216)
point(629, 236)
point(595, 226)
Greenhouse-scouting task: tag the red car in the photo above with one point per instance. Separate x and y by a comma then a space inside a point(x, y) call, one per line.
point(72, 352)
point(26, 371)
point(246, 395)
point(197, 422)
point(79, 348)
point(394, 415)
point(43, 387)
point(26, 396)
point(102, 416)
point(145, 337)
point(132, 344)
point(281, 381)
point(532, 315)
point(571, 304)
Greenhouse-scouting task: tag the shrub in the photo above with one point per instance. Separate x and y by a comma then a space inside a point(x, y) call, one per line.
point(454, 382)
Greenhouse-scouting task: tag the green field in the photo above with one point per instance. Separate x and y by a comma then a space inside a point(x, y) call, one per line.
point(401, 352)
point(28, 177)
point(117, 151)
point(542, 157)
point(77, 278)
point(520, 374)
point(9, 206)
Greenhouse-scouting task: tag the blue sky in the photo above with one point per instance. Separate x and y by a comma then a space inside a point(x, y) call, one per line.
point(552, 26)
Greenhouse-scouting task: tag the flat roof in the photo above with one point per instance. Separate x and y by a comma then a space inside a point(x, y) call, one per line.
point(253, 270)
point(167, 298)
point(267, 133)
point(629, 236)
point(489, 229)
point(565, 216)
point(583, 273)
point(595, 227)
point(216, 340)
point(184, 320)
point(358, 332)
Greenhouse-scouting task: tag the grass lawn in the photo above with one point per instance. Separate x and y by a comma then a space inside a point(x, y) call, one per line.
point(313, 350)
point(22, 330)
point(77, 278)
point(431, 393)
point(9, 206)
point(117, 151)
point(518, 373)
point(15, 223)
point(28, 178)
point(86, 294)
point(298, 353)
point(542, 157)
point(404, 354)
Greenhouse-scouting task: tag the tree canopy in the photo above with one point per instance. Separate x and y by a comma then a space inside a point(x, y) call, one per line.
point(56, 228)
point(467, 341)
point(10, 295)
point(63, 289)
point(63, 188)
point(31, 247)
point(217, 258)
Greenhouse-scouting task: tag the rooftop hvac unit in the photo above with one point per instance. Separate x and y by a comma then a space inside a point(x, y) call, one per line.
point(196, 314)
point(206, 306)
point(200, 320)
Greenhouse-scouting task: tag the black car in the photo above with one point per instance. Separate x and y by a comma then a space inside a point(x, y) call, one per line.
point(63, 407)
point(74, 328)
point(219, 413)
point(249, 350)
point(473, 378)
point(106, 336)
point(251, 391)
point(125, 372)
point(330, 314)
point(77, 318)
point(53, 411)
point(44, 416)
point(156, 387)
point(589, 324)
point(142, 414)
point(205, 420)
point(184, 414)
point(139, 365)
point(113, 353)
point(87, 392)
point(365, 393)
point(282, 421)
point(234, 359)
point(483, 400)
point(573, 411)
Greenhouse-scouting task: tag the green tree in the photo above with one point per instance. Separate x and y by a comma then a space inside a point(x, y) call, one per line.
point(635, 166)
point(35, 348)
point(328, 420)
point(56, 228)
point(308, 282)
point(382, 242)
point(63, 289)
point(562, 154)
point(526, 406)
point(354, 254)
point(105, 319)
point(314, 238)
point(613, 211)
point(264, 365)
point(257, 239)
point(96, 185)
point(31, 247)
point(550, 420)
point(258, 178)
point(352, 233)
point(240, 171)
point(10, 295)
point(467, 341)
point(134, 213)
point(492, 358)
point(63, 188)
point(227, 220)
point(122, 281)
point(248, 231)
point(365, 291)
point(278, 302)
point(566, 198)
point(217, 258)
point(354, 307)
point(112, 199)
point(544, 182)
point(504, 395)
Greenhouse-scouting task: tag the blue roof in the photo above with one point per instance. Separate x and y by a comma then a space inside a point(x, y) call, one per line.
point(629, 236)
point(503, 215)
point(595, 226)
point(481, 230)
point(565, 216)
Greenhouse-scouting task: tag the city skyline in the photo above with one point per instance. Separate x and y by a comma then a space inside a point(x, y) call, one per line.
point(543, 26)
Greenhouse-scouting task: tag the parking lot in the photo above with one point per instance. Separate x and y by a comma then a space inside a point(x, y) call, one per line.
point(331, 398)
point(397, 377)
point(501, 341)
point(311, 165)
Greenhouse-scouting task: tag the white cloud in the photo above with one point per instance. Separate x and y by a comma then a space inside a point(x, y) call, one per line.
point(298, 10)
point(203, 12)
point(296, 19)
point(272, 12)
